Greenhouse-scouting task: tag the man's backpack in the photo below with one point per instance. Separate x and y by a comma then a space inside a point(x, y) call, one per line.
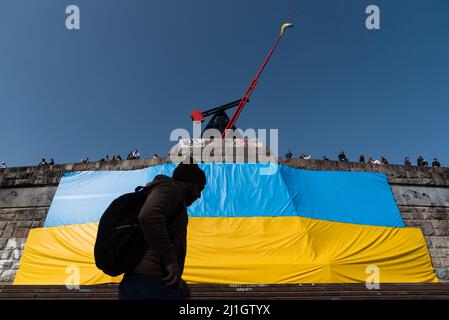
point(120, 243)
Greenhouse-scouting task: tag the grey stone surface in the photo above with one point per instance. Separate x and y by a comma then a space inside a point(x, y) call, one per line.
point(12, 246)
point(8, 276)
point(421, 196)
point(5, 264)
point(26, 197)
point(438, 242)
point(436, 215)
point(10, 254)
point(442, 273)
point(426, 226)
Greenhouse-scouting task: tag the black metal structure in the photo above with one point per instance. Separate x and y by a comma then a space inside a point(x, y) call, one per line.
point(219, 119)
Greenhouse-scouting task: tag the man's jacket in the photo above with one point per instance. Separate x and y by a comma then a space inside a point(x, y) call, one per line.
point(163, 219)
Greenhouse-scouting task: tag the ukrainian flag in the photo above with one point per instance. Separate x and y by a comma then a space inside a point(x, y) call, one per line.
point(294, 226)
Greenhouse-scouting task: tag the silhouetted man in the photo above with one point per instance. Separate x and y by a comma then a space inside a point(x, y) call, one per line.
point(163, 219)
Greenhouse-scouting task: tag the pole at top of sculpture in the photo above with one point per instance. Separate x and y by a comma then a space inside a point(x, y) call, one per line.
point(253, 83)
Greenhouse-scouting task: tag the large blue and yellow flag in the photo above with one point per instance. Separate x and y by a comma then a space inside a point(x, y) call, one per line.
point(295, 226)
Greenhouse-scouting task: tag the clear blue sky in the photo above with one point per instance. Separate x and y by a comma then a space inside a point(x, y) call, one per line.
point(136, 70)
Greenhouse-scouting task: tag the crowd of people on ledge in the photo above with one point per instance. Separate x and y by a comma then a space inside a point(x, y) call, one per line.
point(420, 162)
point(135, 155)
point(45, 163)
point(132, 155)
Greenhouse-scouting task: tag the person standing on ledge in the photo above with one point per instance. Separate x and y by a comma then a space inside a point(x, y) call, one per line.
point(407, 161)
point(436, 163)
point(163, 219)
point(342, 157)
point(362, 159)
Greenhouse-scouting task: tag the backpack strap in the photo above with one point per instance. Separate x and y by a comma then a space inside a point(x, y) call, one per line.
point(151, 186)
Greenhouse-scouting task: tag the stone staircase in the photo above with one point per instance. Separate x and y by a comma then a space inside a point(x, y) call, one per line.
point(395, 291)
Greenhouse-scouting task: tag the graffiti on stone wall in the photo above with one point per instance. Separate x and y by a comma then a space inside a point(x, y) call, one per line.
point(412, 194)
point(10, 258)
point(13, 249)
point(421, 196)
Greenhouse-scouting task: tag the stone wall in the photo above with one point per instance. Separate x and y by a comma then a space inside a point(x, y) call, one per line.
point(422, 195)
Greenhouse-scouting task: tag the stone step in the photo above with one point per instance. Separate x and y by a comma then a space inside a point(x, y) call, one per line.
point(243, 292)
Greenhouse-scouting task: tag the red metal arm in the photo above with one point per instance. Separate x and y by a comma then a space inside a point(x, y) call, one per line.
point(251, 87)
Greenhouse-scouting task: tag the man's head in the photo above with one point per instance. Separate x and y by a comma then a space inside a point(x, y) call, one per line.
point(191, 179)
